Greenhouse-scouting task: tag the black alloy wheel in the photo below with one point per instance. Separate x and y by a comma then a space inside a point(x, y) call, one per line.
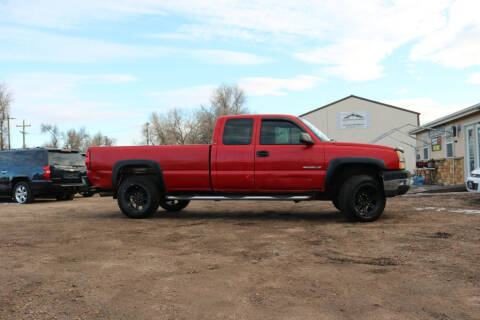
point(361, 198)
point(138, 197)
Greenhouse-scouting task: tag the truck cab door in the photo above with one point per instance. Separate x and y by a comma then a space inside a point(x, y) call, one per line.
point(283, 162)
point(233, 156)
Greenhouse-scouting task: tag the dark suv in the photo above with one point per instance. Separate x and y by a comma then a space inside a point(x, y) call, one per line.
point(40, 172)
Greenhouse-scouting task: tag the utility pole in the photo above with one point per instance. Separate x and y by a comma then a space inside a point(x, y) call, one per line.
point(23, 132)
point(148, 133)
point(8, 128)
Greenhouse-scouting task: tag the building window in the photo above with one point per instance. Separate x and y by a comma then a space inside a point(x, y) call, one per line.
point(425, 140)
point(449, 141)
point(450, 150)
point(425, 153)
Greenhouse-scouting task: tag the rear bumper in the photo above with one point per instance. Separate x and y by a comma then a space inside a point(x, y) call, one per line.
point(396, 182)
point(50, 188)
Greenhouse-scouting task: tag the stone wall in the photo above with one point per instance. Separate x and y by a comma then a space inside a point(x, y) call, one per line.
point(444, 172)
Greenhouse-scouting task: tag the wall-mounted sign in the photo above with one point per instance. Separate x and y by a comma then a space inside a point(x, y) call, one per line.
point(437, 132)
point(354, 119)
point(437, 143)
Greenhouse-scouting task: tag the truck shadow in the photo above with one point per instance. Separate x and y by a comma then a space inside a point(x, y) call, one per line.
point(251, 216)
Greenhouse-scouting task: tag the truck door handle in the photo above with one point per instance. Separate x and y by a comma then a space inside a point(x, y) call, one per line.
point(262, 154)
point(4, 172)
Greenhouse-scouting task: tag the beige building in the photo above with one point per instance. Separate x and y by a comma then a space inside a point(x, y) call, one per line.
point(356, 119)
point(453, 142)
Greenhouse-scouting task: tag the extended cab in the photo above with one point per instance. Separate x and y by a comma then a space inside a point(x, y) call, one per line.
point(252, 157)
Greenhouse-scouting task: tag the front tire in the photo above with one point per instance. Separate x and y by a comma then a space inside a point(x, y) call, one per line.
point(174, 205)
point(362, 198)
point(138, 197)
point(22, 193)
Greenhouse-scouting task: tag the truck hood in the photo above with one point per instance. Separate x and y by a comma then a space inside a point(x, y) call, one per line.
point(362, 145)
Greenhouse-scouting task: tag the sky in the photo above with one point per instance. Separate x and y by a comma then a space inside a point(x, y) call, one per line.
point(106, 65)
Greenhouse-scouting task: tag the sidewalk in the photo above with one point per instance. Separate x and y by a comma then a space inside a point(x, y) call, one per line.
point(437, 189)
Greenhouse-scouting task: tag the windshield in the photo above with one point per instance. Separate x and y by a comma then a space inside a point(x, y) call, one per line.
point(70, 159)
point(315, 130)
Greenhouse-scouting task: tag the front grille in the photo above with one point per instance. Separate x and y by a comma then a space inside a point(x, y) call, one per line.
point(472, 185)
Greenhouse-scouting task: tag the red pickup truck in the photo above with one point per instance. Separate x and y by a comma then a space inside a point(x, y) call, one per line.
point(252, 157)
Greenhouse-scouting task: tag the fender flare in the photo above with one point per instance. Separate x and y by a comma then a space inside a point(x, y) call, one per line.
point(151, 164)
point(335, 163)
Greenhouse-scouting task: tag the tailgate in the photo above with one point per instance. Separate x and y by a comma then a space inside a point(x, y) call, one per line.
point(66, 166)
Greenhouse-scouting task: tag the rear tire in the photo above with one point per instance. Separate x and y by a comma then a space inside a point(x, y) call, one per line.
point(22, 193)
point(174, 205)
point(335, 203)
point(362, 198)
point(138, 197)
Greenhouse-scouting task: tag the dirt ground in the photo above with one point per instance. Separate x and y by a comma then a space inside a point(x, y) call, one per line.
point(241, 260)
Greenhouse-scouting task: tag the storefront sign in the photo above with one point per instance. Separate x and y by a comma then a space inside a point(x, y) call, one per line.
point(437, 143)
point(437, 132)
point(354, 119)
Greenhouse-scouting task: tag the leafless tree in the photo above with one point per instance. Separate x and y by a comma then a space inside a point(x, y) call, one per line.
point(175, 127)
point(75, 140)
point(55, 135)
point(99, 140)
point(5, 102)
point(225, 100)
point(194, 127)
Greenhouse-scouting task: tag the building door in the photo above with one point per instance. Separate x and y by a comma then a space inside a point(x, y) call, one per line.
point(471, 138)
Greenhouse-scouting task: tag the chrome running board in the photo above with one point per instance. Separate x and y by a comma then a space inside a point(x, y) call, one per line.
point(218, 198)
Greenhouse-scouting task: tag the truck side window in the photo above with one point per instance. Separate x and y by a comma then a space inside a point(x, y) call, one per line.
point(279, 132)
point(238, 132)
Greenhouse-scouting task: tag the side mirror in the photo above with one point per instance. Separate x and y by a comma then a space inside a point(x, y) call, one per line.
point(305, 138)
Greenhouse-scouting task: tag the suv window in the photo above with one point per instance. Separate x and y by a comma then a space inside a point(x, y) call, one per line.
point(238, 131)
point(68, 159)
point(4, 159)
point(28, 158)
point(280, 132)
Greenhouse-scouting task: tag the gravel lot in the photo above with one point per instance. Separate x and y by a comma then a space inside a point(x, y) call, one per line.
point(241, 260)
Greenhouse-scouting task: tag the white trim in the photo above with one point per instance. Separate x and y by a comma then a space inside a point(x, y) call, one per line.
point(448, 118)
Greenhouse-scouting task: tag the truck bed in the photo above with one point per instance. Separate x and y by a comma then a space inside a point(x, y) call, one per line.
point(184, 167)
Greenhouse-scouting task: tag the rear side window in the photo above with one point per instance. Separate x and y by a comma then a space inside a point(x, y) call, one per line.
point(238, 132)
point(280, 132)
point(30, 158)
point(69, 159)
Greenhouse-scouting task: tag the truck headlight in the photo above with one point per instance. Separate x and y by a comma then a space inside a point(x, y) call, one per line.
point(401, 158)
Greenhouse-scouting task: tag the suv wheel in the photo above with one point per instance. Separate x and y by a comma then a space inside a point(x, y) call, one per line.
point(362, 198)
point(22, 193)
point(174, 205)
point(138, 197)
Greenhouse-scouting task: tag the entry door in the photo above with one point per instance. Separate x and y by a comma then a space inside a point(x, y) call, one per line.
point(471, 138)
point(283, 163)
point(234, 154)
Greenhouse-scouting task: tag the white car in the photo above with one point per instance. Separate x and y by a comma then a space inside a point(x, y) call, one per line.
point(473, 181)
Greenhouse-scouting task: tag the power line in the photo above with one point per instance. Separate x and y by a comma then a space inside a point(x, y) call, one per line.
point(23, 132)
